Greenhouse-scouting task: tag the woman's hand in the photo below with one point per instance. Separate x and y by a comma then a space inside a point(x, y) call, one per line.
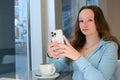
point(68, 51)
point(57, 50)
point(52, 50)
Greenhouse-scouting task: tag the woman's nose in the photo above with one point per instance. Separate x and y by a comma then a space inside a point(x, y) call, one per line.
point(84, 24)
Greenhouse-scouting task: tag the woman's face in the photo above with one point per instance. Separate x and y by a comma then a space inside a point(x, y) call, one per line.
point(87, 23)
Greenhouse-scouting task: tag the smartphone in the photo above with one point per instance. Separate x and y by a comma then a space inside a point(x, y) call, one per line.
point(57, 35)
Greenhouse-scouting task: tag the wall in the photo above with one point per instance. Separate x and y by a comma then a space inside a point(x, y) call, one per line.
point(111, 9)
point(44, 24)
point(58, 14)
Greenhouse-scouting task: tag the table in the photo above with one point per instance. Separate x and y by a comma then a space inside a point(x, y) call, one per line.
point(31, 76)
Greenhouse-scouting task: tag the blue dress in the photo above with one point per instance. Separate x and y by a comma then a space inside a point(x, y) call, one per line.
point(100, 64)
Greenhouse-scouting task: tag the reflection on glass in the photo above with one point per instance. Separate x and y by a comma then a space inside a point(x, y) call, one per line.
point(21, 36)
point(92, 2)
point(69, 15)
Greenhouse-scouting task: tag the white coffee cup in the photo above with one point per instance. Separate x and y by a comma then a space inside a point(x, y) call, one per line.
point(47, 69)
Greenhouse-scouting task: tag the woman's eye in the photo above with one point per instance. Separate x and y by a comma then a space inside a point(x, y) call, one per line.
point(90, 20)
point(80, 20)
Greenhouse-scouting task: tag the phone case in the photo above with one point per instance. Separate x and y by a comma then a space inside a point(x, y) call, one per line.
point(57, 35)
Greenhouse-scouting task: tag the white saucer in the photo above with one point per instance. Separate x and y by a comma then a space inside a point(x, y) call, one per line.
point(38, 75)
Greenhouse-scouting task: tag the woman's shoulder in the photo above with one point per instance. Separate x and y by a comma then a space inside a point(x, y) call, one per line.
point(108, 44)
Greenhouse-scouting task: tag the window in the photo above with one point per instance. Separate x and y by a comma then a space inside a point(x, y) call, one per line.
point(21, 35)
point(92, 2)
point(70, 10)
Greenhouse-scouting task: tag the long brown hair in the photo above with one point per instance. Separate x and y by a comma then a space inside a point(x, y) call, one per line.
point(78, 39)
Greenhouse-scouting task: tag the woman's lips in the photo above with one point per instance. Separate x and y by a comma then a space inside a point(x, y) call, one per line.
point(85, 30)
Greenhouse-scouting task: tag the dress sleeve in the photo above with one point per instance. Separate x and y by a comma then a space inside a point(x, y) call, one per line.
point(106, 66)
point(60, 64)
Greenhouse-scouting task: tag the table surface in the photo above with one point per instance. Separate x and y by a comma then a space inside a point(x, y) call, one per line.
point(31, 76)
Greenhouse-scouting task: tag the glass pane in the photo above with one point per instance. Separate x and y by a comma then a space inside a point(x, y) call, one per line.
point(14, 38)
point(92, 2)
point(69, 15)
point(7, 39)
point(21, 34)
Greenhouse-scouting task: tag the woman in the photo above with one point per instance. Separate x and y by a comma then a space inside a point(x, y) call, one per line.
point(93, 51)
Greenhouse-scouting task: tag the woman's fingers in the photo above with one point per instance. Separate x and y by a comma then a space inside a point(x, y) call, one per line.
point(56, 48)
point(66, 41)
point(53, 50)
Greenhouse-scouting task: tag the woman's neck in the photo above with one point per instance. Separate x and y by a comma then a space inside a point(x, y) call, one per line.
point(92, 40)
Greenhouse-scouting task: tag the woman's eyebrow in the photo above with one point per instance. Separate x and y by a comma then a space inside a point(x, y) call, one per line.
point(87, 18)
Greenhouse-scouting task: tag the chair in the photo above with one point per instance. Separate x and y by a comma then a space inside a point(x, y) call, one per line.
point(117, 73)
